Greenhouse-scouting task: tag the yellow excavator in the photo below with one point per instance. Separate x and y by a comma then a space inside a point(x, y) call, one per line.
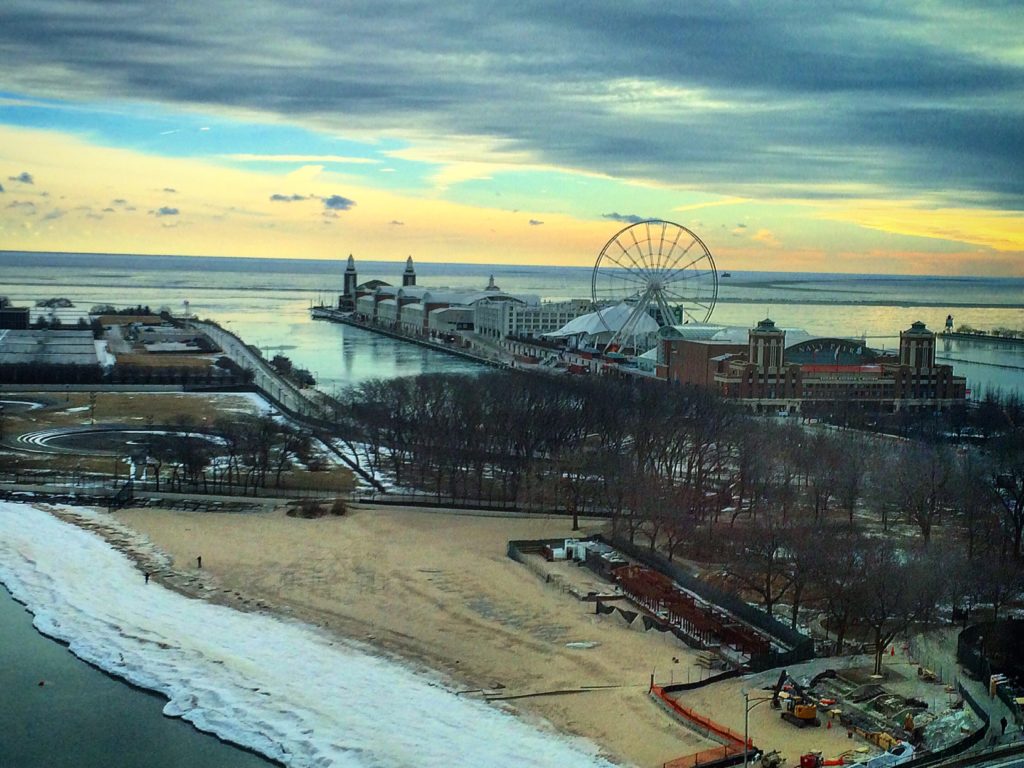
point(800, 708)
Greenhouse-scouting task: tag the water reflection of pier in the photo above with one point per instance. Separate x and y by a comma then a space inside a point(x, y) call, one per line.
point(336, 316)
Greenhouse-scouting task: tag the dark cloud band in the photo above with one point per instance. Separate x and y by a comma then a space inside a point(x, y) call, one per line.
point(792, 99)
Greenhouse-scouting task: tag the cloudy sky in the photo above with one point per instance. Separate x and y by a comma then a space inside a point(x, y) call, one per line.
point(856, 137)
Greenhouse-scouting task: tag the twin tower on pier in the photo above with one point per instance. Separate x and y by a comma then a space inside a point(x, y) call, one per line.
point(347, 300)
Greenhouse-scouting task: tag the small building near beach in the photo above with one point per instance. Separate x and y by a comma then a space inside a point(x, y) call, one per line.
point(520, 317)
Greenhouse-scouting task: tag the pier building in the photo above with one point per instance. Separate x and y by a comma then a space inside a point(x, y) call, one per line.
point(48, 347)
point(769, 375)
point(501, 319)
point(347, 300)
point(409, 275)
point(450, 320)
point(490, 312)
point(766, 368)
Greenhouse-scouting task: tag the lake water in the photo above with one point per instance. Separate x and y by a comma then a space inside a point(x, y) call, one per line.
point(266, 302)
point(85, 719)
point(289, 690)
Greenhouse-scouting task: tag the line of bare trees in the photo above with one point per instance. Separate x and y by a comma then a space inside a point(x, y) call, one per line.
point(236, 455)
point(787, 513)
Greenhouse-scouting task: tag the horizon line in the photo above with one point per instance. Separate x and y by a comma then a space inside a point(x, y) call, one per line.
point(401, 261)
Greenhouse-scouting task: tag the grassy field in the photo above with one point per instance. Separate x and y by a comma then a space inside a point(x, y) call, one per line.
point(335, 479)
point(167, 360)
point(61, 463)
point(129, 408)
point(134, 410)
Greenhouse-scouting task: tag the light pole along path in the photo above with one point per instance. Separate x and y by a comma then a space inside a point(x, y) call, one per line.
point(749, 704)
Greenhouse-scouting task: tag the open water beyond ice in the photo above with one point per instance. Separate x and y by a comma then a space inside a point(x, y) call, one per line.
point(284, 689)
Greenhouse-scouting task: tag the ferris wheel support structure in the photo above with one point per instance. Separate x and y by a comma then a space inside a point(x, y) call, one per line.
point(655, 263)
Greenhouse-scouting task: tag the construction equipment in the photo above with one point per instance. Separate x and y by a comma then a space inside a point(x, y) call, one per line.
point(828, 674)
point(815, 760)
point(801, 710)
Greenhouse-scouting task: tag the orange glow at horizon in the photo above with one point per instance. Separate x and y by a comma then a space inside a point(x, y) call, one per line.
point(226, 211)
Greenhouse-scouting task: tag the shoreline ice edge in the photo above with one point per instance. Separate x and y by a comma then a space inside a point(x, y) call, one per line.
point(282, 689)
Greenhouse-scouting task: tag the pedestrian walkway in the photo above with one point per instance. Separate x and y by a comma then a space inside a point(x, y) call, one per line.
point(269, 381)
point(100, 495)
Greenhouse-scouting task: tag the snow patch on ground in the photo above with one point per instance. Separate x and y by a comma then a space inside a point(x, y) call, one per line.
point(32, 406)
point(356, 452)
point(284, 689)
point(326, 455)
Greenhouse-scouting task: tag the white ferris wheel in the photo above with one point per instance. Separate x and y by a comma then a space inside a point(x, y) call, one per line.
point(661, 271)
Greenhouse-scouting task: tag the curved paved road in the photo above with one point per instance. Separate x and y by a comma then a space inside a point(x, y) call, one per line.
point(39, 441)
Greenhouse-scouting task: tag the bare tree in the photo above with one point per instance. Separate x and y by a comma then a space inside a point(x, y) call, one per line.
point(760, 562)
point(997, 582)
point(825, 458)
point(838, 575)
point(884, 597)
point(879, 494)
point(290, 443)
point(680, 519)
point(808, 548)
point(788, 445)
point(752, 463)
point(852, 471)
point(933, 577)
point(976, 501)
point(1008, 481)
point(658, 508)
point(921, 482)
point(579, 484)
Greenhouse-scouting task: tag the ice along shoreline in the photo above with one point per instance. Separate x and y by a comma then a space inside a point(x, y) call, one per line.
point(285, 690)
point(68, 712)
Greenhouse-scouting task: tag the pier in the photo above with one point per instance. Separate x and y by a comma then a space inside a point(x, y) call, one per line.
point(337, 316)
point(1017, 341)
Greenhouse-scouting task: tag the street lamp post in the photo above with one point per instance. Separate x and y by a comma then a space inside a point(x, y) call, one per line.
point(748, 705)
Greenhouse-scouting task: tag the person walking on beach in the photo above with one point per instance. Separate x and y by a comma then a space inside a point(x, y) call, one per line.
point(199, 561)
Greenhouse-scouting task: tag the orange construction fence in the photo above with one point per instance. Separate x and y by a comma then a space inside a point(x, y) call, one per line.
point(698, 759)
point(715, 729)
point(733, 741)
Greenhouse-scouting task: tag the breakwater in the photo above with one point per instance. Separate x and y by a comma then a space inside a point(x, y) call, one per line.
point(1017, 341)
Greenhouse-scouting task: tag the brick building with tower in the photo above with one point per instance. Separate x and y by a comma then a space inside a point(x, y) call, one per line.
point(768, 375)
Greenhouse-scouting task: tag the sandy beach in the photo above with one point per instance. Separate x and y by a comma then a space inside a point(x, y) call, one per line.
point(437, 590)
